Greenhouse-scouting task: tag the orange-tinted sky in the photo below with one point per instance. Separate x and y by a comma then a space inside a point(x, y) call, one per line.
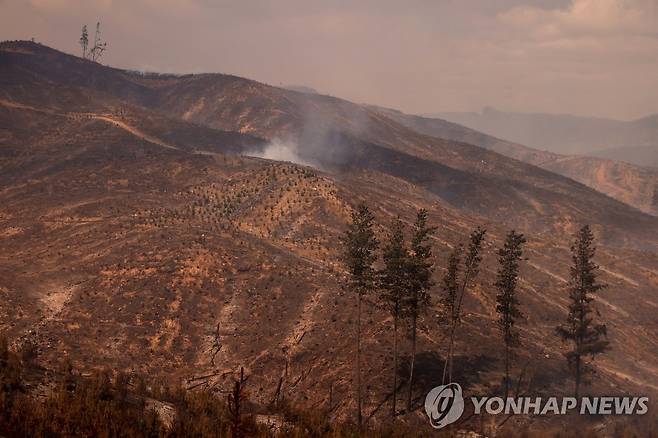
point(587, 57)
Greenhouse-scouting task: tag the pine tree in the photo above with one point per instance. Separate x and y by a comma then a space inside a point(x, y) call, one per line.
point(450, 286)
point(449, 298)
point(586, 336)
point(359, 255)
point(507, 304)
point(393, 282)
point(470, 271)
point(419, 270)
point(84, 41)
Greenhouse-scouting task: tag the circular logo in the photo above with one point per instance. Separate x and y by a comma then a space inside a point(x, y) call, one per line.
point(444, 405)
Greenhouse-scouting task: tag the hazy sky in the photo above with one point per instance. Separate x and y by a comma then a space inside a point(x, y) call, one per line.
point(588, 57)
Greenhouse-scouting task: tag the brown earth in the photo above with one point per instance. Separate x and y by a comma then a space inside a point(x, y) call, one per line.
point(134, 235)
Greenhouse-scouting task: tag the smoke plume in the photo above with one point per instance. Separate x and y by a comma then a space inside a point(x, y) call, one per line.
point(281, 150)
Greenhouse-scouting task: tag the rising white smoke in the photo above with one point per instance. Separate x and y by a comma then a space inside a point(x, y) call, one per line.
point(281, 150)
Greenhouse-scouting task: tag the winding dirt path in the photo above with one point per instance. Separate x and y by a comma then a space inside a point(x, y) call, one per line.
point(108, 118)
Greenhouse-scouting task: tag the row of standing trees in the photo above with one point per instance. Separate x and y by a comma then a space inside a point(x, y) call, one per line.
point(405, 280)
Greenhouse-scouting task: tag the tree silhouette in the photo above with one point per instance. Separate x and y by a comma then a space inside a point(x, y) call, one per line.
point(470, 271)
point(419, 270)
point(359, 255)
point(394, 284)
point(507, 304)
point(450, 286)
point(84, 41)
point(235, 404)
point(586, 337)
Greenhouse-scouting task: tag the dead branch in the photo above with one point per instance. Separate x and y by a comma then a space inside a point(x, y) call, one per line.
point(217, 346)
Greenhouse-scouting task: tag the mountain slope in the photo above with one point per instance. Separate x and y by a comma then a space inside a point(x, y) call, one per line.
point(634, 185)
point(126, 253)
point(646, 156)
point(137, 240)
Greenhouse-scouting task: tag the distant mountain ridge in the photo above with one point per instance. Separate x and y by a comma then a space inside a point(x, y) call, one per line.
point(561, 133)
point(301, 89)
point(632, 184)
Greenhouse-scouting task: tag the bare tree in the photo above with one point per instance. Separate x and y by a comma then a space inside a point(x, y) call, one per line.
point(235, 404)
point(470, 271)
point(217, 345)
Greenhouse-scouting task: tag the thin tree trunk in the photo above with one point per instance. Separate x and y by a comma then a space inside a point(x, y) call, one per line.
point(331, 396)
point(395, 365)
point(452, 361)
point(506, 370)
point(453, 329)
point(447, 367)
point(579, 337)
point(445, 364)
point(577, 392)
point(358, 360)
point(413, 360)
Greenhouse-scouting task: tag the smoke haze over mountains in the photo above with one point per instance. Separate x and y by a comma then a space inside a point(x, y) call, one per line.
point(590, 57)
point(563, 133)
